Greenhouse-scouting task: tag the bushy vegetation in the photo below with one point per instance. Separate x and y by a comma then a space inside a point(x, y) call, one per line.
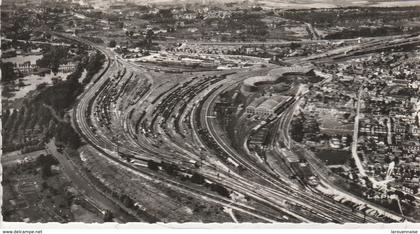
point(46, 161)
point(52, 58)
point(297, 128)
point(94, 65)
point(43, 116)
point(112, 44)
point(341, 17)
point(367, 32)
point(359, 22)
point(66, 134)
point(7, 72)
point(249, 24)
point(61, 95)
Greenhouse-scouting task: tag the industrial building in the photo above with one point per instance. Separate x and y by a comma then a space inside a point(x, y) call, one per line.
point(265, 107)
point(250, 84)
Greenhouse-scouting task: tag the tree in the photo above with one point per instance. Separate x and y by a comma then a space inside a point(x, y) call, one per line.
point(5, 116)
point(41, 86)
point(297, 130)
point(94, 65)
point(197, 178)
point(165, 13)
point(368, 182)
point(108, 216)
point(129, 33)
point(149, 36)
point(112, 44)
point(399, 194)
point(152, 165)
point(127, 201)
point(61, 95)
point(294, 45)
point(19, 120)
point(352, 163)
point(171, 169)
point(7, 72)
point(52, 59)
point(44, 185)
point(387, 159)
point(410, 198)
point(46, 161)
point(11, 119)
point(66, 134)
point(46, 171)
point(220, 190)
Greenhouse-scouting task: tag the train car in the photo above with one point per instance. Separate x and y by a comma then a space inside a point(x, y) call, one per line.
point(233, 162)
point(140, 163)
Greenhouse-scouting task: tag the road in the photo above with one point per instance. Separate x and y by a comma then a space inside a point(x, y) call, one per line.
point(16, 158)
point(38, 42)
point(356, 158)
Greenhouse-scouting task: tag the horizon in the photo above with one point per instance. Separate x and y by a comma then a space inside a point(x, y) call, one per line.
point(267, 4)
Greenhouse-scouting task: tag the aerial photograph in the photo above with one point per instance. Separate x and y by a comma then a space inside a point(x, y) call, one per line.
point(210, 111)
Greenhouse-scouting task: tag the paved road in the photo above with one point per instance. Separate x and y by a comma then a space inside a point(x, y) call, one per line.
point(356, 158)
point(15, 158)
point(38, 42)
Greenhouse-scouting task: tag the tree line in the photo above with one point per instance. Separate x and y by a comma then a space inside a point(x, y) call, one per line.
point(44, 114)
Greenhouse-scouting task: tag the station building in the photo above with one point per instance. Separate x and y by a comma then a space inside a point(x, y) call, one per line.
point(265, 107)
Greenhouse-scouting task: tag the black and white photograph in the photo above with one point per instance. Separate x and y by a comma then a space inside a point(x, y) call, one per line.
point(204, 112)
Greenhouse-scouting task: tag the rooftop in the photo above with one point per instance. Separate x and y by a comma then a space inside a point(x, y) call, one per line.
point(276, 73)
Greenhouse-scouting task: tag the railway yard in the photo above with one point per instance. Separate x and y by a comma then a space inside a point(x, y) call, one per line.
point(165, 128)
